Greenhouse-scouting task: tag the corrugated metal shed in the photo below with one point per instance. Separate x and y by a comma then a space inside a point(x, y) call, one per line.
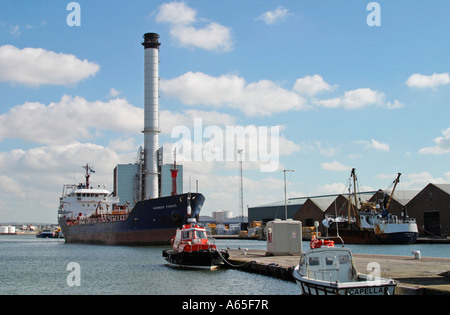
point(443, 187)
point(275, 210)
point(401, 196)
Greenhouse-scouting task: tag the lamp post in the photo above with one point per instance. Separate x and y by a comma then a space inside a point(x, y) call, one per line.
point(241, 187)
point(285, 197)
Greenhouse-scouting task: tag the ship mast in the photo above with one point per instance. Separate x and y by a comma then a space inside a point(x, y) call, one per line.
point(350, 204)
point(88, 171)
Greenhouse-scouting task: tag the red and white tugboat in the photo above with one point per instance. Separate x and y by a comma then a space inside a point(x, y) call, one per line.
point(193, 249)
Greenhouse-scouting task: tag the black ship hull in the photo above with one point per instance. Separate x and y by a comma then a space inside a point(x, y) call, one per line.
point(370, 237)
point(202, 259)
point(151, 222)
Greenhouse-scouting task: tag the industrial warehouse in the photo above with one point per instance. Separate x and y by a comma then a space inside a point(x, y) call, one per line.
point(430, 207)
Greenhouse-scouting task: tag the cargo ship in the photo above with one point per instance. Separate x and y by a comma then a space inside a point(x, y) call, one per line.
point(95, 215)
point(92, 215)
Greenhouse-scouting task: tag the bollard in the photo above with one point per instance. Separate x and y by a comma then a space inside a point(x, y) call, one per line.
point(416, 254)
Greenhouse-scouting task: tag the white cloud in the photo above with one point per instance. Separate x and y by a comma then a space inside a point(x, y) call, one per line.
point(397, 104)
point(335, 166)
point(123, 145)
point(428, 81)
point(37, 66)
point(169, 120)
point(34, 164)
point(374, 144)
point(71, 118)
point(34, 177)
point(354, 99)
point(9, 185)
point(265, 97)
point(272, 17)
point(385, 176)
point(177, 13)
point(323, 148)
point(442, 144)
point(328, 189)
point(15, 30)
point(183, 27)
point(287, 147)
point(260, 98)
point(113, 93)
point(75, 118)
point(420, 180)
point(311, 85)
point(42, 24)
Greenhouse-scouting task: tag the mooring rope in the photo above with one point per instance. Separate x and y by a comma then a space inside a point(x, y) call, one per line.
point(232, 265)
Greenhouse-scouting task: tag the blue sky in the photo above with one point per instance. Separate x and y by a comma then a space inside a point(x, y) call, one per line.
point(342, 93)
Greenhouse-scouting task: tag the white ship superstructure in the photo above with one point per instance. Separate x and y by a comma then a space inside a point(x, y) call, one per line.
point(82, 202)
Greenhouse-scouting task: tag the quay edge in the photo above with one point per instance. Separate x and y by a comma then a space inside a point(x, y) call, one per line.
point(414, 277)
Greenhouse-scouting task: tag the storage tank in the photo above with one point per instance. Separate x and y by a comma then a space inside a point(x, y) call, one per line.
point(3, 230)
point(284, 237)
point(11, 230)
point(222, 215)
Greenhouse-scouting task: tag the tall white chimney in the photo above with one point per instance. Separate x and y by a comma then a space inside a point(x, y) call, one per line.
point(151, 125)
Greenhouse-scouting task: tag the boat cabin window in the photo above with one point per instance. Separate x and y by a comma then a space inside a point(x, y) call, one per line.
point(200, 234)
point(302, 259)
point(344, 259)
point(314, 261)
point(188, 234)
point(329, 260)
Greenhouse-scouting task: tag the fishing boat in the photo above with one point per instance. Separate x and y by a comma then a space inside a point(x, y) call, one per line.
point(371, 222)
point(193, 249)
point(328, 270)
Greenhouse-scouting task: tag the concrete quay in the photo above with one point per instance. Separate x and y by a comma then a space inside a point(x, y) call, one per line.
point(413, 276)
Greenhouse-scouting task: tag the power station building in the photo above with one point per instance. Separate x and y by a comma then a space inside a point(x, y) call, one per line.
point(127, 183)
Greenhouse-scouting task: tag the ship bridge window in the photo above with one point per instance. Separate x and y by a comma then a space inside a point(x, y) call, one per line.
point(188, 234)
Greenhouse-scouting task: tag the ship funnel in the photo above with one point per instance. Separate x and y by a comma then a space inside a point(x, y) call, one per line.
point(151, 117)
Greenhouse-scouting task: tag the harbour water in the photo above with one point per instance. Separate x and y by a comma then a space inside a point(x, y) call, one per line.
point(29, 265)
